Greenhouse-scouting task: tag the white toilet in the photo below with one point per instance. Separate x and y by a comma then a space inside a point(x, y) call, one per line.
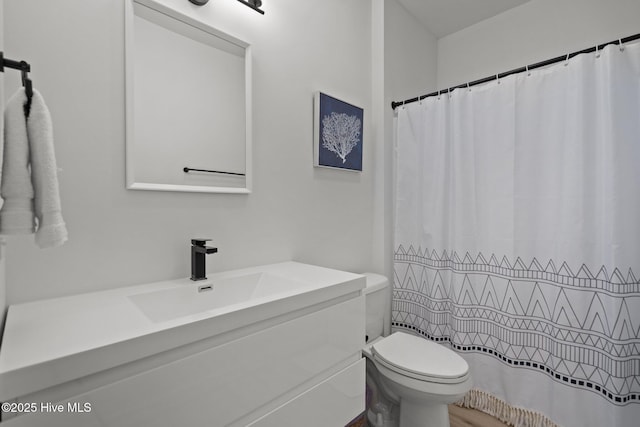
point(419, 375)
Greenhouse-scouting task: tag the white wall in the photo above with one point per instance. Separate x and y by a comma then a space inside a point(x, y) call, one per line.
point(380, 162)
point(536, 31)
point(410, 53)
point(3, 301)
point(119, 237)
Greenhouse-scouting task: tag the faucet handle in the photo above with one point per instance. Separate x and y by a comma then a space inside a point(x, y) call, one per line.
point(200, 241)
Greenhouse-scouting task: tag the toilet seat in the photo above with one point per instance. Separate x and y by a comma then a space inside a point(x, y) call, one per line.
point(420, 359)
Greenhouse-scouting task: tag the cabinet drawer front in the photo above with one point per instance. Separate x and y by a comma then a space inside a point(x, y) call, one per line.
point(332, 403)
point(222, 384)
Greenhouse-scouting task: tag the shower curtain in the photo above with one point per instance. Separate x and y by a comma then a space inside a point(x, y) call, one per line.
point(517, 238)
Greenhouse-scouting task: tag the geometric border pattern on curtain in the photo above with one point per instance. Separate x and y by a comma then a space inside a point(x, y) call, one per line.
point(522, 314)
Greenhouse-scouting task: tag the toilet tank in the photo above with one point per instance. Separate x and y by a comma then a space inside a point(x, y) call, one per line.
point(378, 305)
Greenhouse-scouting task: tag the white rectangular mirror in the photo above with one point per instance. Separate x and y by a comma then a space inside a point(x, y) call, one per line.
point(188, 103)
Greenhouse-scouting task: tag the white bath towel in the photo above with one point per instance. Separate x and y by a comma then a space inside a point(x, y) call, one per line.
point(37, 193)
point(16, 215)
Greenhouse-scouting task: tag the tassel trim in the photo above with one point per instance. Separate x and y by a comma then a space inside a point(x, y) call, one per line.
point(511, 415)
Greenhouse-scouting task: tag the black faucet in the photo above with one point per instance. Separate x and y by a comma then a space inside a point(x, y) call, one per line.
point(198, 252)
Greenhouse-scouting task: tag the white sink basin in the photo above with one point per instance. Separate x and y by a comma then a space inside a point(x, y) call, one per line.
point(51, 342)
point(207, 295)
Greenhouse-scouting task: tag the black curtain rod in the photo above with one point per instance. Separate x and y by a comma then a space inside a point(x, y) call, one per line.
point(395, 104)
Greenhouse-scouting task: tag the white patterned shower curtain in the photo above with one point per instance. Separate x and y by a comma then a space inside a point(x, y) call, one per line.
point(517, 238)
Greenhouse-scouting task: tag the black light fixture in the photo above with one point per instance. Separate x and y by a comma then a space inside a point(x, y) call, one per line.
point(253, 4)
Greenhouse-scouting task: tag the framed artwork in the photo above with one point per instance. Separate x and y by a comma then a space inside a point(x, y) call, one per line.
point(337, 133)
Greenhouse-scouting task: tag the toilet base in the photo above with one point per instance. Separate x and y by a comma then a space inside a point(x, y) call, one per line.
point(413, 414)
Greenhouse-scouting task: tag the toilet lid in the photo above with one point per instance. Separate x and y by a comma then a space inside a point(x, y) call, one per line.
point(420, 358)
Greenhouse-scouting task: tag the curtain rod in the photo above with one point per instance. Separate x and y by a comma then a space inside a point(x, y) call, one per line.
point(395, 104)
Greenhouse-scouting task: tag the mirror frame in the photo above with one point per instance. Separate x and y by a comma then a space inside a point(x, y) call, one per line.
point(131, 182)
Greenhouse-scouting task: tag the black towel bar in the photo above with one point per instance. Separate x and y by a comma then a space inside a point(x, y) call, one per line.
point(24, 68)
point(16, 65)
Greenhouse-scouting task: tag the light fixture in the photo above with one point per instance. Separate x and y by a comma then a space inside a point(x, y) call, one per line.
point(253, 4)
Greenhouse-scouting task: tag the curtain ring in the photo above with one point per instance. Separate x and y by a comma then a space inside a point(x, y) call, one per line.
point(597, 53)
point(468, 87)
point(498, 78)
point(566, 60)
point(528, 72)
point(439, 93)
point(449, 92)
point(621, 45)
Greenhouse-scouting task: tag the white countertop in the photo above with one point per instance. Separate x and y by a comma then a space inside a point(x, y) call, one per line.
point(53, 341)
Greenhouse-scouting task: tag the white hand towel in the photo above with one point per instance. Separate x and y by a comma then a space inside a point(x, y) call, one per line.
point(52, 230)
point(37, 193)
point(16, 215)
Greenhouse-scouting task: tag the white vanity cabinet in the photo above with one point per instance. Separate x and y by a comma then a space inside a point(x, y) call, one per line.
point(326, 404)
point(302, 367)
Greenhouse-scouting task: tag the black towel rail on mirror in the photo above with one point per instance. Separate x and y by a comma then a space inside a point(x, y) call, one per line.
point(396, 104)
point(187, 170)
